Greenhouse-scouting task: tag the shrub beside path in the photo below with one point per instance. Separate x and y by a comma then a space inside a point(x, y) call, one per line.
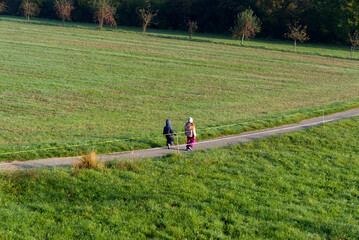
point(206, 144)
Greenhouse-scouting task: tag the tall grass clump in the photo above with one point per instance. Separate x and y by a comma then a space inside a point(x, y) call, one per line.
point(89, 161)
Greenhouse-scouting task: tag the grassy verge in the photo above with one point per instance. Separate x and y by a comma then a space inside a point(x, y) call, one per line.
point(301, 185)
point(71, 89)
point(66, 149)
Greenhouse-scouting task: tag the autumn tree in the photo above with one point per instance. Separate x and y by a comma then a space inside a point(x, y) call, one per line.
point(147, 16)
point(192, 27)
point(354, 42)
point(104, 13)
point(247, 25)
point(29, 9)
point(297, 32)
point(63, 10)
point(2, 7)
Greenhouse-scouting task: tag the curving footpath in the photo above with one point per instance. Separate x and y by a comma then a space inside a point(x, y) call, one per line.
point(211, 143)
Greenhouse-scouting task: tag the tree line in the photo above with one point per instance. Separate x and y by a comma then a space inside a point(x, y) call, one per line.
point(326, 20)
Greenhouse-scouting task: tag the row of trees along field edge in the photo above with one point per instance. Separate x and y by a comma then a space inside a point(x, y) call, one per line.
point(327, 20)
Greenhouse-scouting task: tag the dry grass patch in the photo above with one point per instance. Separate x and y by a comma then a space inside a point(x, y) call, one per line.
point(89, 161)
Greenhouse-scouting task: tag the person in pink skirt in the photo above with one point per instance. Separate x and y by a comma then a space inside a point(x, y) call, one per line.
point(190, 132)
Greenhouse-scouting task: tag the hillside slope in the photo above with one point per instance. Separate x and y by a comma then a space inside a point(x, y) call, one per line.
point(65, 86)
point(302, 185)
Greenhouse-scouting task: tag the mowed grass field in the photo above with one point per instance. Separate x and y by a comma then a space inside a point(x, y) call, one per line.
point(302, 185)
point(71, 89)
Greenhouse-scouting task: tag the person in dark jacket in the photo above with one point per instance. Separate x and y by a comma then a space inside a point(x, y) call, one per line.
point(168, 132)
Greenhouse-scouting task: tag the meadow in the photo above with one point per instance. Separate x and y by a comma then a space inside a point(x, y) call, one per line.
point(302, 185)
point(67, 90)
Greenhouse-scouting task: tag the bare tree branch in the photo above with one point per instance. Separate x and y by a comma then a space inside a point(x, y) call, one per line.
point(147, 16)
point(29, 9)
point(296, 32)
point(192, 27)
point(3, 7)
point(354, 42)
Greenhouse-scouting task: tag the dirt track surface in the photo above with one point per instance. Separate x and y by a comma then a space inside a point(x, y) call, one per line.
point(211, 143)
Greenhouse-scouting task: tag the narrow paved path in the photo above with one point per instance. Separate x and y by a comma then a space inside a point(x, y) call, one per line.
point(211, 143)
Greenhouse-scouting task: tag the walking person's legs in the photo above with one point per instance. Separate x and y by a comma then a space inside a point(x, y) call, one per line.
point(190, 143)
point(170, 141)
point(193, 140)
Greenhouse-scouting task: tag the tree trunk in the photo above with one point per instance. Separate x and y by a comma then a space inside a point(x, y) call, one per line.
point(101, 23)
point(63, 22)
point(242, 39)
point(190, 35)
point(295, 45)
point(351, 52)
point(144, 27)
point(28, 18)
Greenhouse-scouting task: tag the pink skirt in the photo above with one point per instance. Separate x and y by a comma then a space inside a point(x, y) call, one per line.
point(190, 142)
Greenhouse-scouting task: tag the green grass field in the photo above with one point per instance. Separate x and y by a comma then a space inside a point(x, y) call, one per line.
point(302, 185)
point(71, 89)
